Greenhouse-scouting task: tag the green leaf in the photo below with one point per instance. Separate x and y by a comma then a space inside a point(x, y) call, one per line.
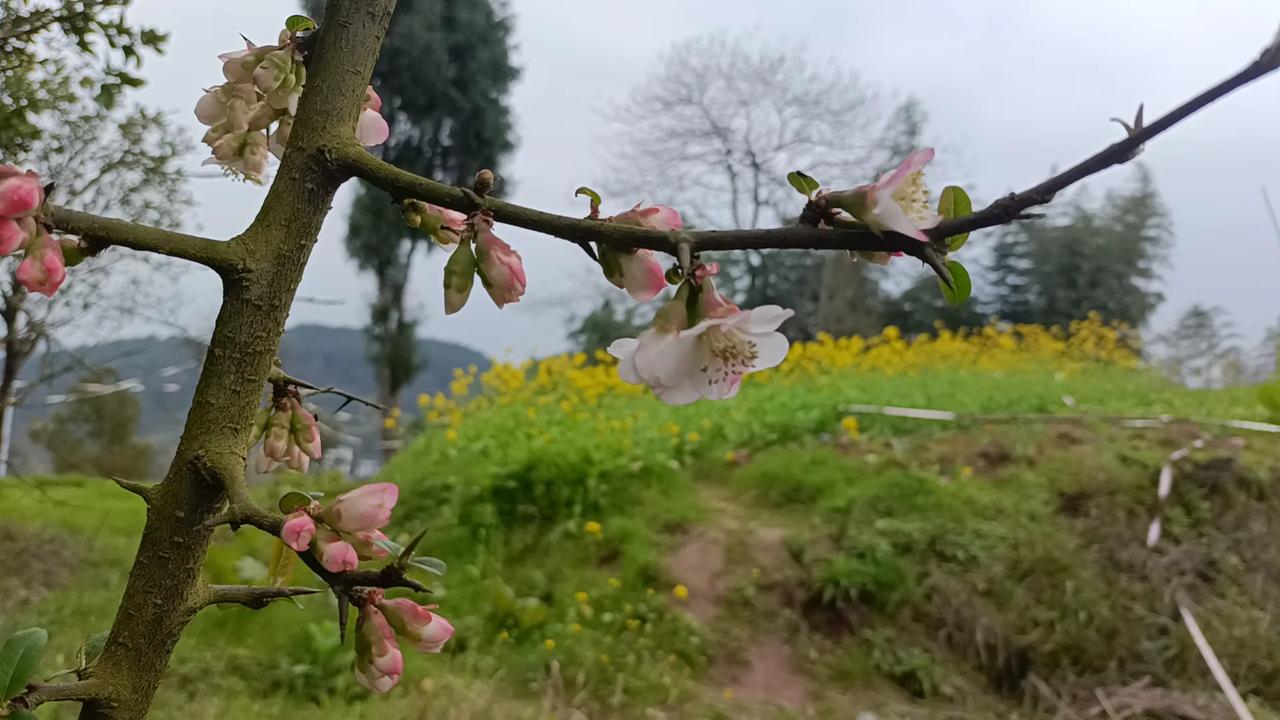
point(963, 285)
point(390, 546)
point(955, 203)
point(299, 23)
point(430, 564)
point(803, 184)
point(293, 501)
point(584, 190)
point(283, 560)
point(18, 659)
point(22, 715)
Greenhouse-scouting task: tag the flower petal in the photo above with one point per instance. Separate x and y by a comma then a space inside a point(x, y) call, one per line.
point(372, 128)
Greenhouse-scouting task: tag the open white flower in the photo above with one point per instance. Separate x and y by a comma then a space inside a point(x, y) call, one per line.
point(898, 201)
point(707, 360)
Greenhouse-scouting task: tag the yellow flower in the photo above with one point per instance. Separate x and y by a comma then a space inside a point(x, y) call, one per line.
point(604, 659)
point(727, 694)
point(591, 527)
point(395, 412)
point(451, 435)
point(575, 628)
point(692, 437)
point(549, 644)
point(633, 624)
point(615, 583)
point(966, 471)
point(504, 636)
point(850, 426)
point(581, 596)
point(650, 592)
point(680, 592)
point(730, 457)
point(423, 400)
point(389, 422)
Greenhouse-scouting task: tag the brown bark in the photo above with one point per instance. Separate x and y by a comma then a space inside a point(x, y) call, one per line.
point(165, 586)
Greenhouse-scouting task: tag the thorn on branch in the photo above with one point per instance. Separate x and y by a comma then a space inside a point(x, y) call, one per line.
point(279, 377)
point(250, 596)
point(146, 491)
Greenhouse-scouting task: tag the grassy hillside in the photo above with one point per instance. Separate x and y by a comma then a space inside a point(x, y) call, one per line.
point(772, 556)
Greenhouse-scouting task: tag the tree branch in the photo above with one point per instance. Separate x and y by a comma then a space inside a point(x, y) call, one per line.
point(100, 232)
point(38, 694)
point(1008, 208)
point(278, 375)
point(401, 184)
point(242, 511)
point(250, 596)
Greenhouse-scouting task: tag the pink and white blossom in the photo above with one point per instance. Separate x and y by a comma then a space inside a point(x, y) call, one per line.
point(416, 623)
point(366, 544)
point(379, 663)
point(43, 269)
point(298, 530)
point(445, 226)
point(334, 552)
point(371, 127)
point(368, 507)
point(654, 217)
point(639, 272)
point(709, 359)
point(14, 233)
point(897, 202)
point(499, 266)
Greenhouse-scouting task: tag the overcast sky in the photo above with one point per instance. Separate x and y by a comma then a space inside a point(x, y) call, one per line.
point(1012, 88)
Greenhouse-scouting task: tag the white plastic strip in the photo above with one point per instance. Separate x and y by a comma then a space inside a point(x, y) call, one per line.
point(1215, 666)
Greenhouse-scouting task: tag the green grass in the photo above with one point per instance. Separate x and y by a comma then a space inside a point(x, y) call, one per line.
point(920, 547)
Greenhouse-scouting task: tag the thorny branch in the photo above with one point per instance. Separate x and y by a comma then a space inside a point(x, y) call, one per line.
point(279, 376)
point(401, 184)
point(250, 596)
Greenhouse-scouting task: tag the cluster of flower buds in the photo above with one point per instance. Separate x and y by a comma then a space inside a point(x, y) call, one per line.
point(379, 662)
point(443, 225)
point(290, 434)
point(345, 531)
point(700, 344)
point(498, 266)
point(43, 267)
point(639, 272)
point(251, 115)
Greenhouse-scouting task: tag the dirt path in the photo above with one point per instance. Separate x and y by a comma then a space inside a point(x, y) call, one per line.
point(732, 550)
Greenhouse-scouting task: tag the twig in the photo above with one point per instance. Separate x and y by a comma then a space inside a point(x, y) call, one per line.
point(250, 596)
point(38, 694)
point(1215, 666)
point(100, 232)
point(1005, 209)
point(1106, 704)
point(280, 376)
point(402, 184)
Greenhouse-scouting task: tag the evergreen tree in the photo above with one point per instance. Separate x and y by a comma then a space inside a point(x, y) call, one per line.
point(445, 124)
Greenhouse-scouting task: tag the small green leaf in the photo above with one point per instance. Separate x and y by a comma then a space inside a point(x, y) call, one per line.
point(407, 554)
point(390, 546)
point(282, 563)
point(18, 659)
point(293, 501)
point(430, 564)
point(963, 285)
point(803, 184)
point(299, 23)
point(22, 715)
point(955, 203)
point(584, 190)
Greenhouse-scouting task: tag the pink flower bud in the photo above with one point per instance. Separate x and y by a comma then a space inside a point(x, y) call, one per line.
point(21, 194)
point(500, 268)
point(416, 623)
point(276, 444)
point(13, 233)
point(305, 429)
point(638, 272)
point(654, 217)
point(298, 530)
point(371, 127)
point(335, 554)
point(43, 269)
point(366, 544)
point(366, 508)
point(379, 664)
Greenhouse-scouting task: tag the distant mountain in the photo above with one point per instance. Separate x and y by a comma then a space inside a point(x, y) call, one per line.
point(167, 368)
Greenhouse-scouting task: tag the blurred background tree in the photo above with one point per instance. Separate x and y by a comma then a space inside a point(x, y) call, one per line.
point(445, 124)
point(65, 70)
point(95, 431)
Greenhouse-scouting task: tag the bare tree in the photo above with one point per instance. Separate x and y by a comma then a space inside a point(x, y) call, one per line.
point(718, 125)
